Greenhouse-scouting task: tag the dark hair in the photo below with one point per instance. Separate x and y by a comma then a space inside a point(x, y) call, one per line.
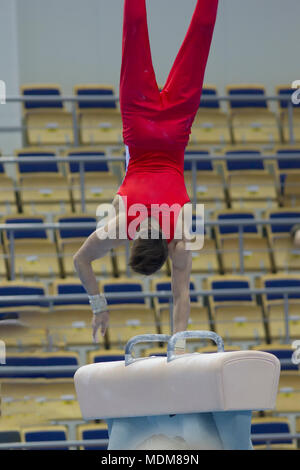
point(149, 255)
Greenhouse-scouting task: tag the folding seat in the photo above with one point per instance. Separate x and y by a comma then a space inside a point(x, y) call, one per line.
point(283, 106)
point(43, 187)
point(286, 256)
point(237, 317)
point(35, 254)
point(274, 304)
point(99, 120)
point(198, 320)
point(248, 182)
point(92, 431)
point(276, 425)
point(100, 183)
point(251, 120)
point(43, 361)
point(45, 434)
point(14, 289)
point(8, 195)
point(70, 319)
point(129, 316)
point(256, 256)
point(69, 241)
point(288, 174)
point(211, 126)
point(16, 334)
point(209, 184)
point(47, 122)
point(288, 396)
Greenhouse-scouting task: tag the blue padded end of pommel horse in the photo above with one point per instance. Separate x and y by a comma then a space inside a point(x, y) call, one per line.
point(183, 402)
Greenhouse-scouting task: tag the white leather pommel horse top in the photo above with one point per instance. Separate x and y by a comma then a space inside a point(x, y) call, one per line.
point(178, 384)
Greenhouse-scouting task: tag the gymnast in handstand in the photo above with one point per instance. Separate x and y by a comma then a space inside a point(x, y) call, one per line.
point(156, 129)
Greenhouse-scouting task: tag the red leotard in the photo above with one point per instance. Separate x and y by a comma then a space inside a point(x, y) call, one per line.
point(157, 125)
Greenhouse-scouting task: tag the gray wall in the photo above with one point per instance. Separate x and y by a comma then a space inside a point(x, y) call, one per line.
point(73, 41)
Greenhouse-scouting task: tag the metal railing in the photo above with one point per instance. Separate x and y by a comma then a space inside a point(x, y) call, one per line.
point(74, 100)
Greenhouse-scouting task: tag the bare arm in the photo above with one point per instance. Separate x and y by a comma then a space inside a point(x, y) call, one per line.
point(95, 248)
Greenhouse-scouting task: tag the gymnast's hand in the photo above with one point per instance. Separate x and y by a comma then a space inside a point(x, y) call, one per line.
point(100, 320)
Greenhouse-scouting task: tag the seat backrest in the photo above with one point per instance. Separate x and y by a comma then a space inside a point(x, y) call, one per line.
point(209, 104)
point(201, 165)
point(244, 164)
point(123, 287)
point(36, 90)
point(38, 234)
point(253, 90)
point(38, 167)
point(98, 91)
point(71, 233)
point(97, 166)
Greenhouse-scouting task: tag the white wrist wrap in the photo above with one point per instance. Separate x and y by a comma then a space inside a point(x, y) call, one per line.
point(180, 345)
point(98, 303)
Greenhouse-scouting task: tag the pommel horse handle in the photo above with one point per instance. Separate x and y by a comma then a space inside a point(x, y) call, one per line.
point(171, 340)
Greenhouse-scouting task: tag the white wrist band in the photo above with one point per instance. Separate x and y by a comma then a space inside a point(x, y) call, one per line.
point(98, 303)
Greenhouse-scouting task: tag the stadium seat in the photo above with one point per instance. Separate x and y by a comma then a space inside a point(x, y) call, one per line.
point(237, 317)
point(288, 174)
point(35, 253)
point(286, 92)
point(40, 360)
point(43, 188)
point(100, 182)
point(19, 289)
point(128, 316)
point(248, 182)
point(10, 435)
point(256, 256)
point(69, 240)
point(8, 200)
point(211, 126)
point(100, 121)
point(18, 335)
point(47, 122)
point(209, 183)
point(272, 425)
point(104, 355)
point(251, 120)
point(198, 320)
point(286, 256)
point(92, 431)
point(274, 306)
point(45, 434)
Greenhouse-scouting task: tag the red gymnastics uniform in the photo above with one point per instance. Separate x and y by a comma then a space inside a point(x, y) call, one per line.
point(157, 124)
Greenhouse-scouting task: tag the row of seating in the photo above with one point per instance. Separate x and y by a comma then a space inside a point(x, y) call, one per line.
point(99, 120)
point(17, 434)
point(40, 253)
point(242, 183)
point(99, 431)
point(236, 317)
